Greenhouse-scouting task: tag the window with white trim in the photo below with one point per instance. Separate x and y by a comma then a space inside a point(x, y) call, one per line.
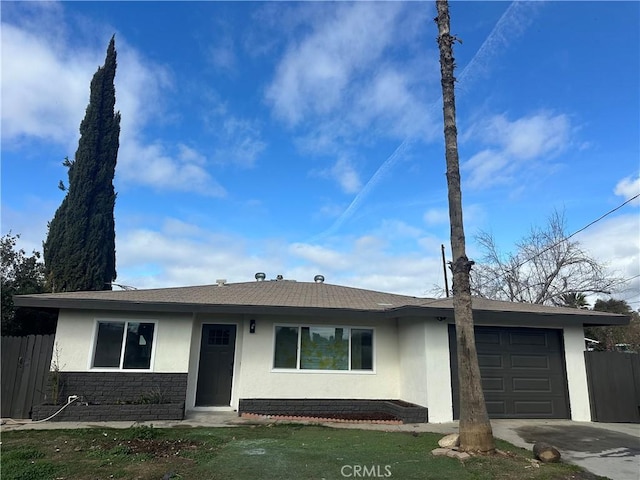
point(125, 345)
point(323, 348)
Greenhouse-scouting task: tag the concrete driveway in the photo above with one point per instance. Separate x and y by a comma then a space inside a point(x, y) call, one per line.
point(608, 449)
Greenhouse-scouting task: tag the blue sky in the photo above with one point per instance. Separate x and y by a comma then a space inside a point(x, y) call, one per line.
point(306, 138)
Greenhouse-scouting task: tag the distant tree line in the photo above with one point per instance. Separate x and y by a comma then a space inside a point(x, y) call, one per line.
point(22, 274)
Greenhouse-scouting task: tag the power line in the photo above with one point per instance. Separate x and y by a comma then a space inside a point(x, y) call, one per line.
point(578, 231)
point(602, 216)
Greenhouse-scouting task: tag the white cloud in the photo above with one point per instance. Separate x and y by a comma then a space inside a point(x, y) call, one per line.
point(341, 79)
point(397, 229)
point(314, 73)
point(514, 146)
point(223, 56)
point(37, 67)
point(189, 155)
point(531, 137)
point(488, 168)
point(346, 175)
point(436, 216)
point(237, 140)
point(241, 142)
point(392, 102)
point(33, 75)
point(615, 243)
point(154, 166)
point(628, 188)
point(343, 172)
point(178, 253)
point(363, 262)
point(322, 257)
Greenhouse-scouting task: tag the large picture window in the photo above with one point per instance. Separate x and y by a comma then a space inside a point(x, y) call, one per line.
point(323, 348)
point(125, 345)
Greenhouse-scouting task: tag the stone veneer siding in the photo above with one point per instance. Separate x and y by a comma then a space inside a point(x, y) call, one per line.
point(79, 412)
point(407, 412)
point(113, 396)
point(122, 387)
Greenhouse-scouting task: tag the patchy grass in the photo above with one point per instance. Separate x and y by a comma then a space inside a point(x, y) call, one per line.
point(255, 452)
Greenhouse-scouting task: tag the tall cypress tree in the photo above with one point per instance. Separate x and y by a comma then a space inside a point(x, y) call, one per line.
point(80, 252)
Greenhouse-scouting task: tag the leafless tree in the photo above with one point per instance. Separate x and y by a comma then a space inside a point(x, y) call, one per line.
point(475, 429)
point(545, 268)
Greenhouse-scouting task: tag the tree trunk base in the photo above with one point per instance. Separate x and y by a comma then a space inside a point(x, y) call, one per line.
point(477, 439)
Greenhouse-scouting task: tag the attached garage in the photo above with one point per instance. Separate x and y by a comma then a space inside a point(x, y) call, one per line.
point(523, 372)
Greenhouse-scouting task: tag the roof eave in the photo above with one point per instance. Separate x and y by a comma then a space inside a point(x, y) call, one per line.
point(481, 316)
point(484, 316)
point(185, 307)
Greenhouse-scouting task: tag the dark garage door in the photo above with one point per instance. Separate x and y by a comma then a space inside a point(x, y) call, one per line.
point(522, 369)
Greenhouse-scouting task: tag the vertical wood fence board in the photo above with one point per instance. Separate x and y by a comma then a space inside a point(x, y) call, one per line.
point(41, 393)
point(10, 350)
point(635, 363)
point(27, 361)
point(33, 376)
point(23, 389)
point(614, 386)
point(16, 352)
point(39, 374)
point(25, 372)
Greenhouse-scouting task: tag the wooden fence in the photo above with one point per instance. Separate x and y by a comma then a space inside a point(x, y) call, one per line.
point(614, 386)
point(25, 373)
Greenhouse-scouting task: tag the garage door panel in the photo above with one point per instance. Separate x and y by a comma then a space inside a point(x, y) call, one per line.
point(493, 384)
point(488, 338)
point(491, 361)
point(536, 339)
point(523, 372)
point(533, 409)
point(530, 385)
point(529, 361)
point(496, 409)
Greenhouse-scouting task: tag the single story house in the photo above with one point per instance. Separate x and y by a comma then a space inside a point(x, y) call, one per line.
point(288, 347)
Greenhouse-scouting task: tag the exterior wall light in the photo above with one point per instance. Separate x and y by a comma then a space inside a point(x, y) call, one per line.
point(252, 326)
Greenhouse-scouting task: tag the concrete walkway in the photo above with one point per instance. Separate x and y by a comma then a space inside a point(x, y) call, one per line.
point(610, 450)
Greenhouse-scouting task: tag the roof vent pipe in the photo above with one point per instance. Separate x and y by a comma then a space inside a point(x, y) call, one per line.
point(318, 279)
point(260, 276)
point(279, 277)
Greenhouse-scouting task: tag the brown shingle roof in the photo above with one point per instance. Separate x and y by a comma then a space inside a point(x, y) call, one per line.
point(283, 293)
point(272, 296)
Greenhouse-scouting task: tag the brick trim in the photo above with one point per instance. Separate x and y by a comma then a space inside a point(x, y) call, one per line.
point(404, 411)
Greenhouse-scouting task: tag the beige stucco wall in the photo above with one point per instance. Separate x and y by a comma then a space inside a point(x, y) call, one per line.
point(75, 339)
point(439, 398)
point(577, 373)
point(424, 373)
point(411, 359)
point(255, 378)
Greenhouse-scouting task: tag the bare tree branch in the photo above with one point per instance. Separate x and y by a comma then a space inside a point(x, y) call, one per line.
point(546, 266)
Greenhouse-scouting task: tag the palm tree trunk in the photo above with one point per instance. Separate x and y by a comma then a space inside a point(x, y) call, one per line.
point(475, 428)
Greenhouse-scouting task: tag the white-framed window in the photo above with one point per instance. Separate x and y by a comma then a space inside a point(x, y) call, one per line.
point(123, 344)
point(323, 348)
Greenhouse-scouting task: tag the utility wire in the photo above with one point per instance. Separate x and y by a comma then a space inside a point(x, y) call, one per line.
point(578, 231)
